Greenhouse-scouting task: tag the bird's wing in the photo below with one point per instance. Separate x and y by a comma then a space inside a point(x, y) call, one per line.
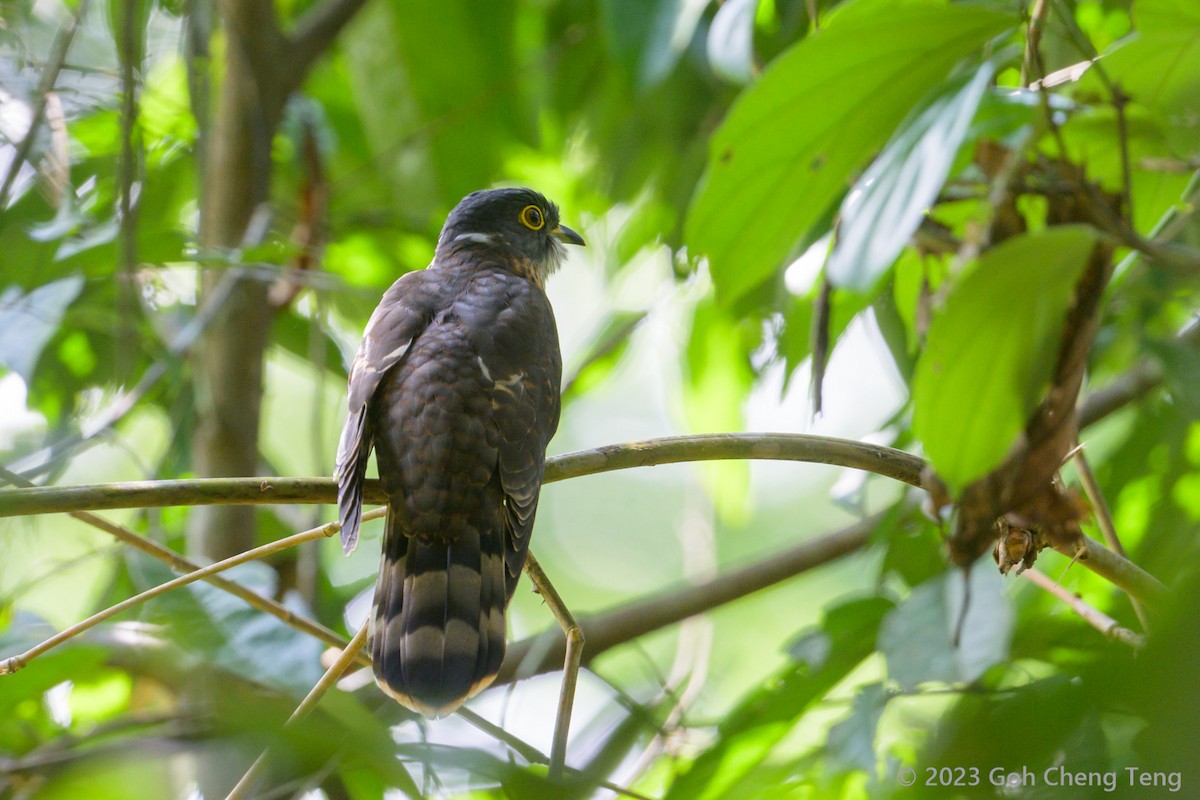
point(526, 368)
point(405, 310)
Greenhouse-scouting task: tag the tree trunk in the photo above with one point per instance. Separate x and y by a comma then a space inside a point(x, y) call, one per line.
point(228, 358)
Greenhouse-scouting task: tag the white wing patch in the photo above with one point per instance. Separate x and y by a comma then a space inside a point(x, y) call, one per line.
point(510, 385)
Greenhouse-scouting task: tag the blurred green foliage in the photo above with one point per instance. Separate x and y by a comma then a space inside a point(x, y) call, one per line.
point(723, 159)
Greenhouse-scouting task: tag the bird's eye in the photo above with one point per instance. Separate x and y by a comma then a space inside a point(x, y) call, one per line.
point(531, 217)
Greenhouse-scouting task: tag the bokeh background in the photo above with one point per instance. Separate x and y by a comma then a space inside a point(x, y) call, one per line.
point(203, 201)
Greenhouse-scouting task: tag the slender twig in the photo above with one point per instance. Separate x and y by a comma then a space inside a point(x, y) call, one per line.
point(1033, 39)
point(125, 402)
point(523, 749)
point(1144, 377)
point(183, 565)
point(571, 660)
point(130, 55)
point(1091, 615)
point(537, 655)
point(1117, 96)
point(332, 675)
point(15, 663)
point(54, 65)
point(1104, 521)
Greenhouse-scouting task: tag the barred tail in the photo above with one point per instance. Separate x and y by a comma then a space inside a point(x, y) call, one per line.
point(438, 630)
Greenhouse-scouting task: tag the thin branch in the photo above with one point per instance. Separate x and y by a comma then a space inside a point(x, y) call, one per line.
point(332, 675)
point(130, 54)
point(183, 565)
point(1119, 571)
point(885, 461)
point(314, 33)
point(45, 458)
point(1142, 379)
point(1105, 521)
point(573, 657)
point(536, 655)
point(1091, 615)
point(58, 56)
point(1033, 40)
point(15, 663)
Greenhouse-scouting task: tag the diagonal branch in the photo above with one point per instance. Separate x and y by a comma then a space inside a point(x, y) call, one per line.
point(1091, 615)
point(18, 662)
point(126, 401)
point(58, 56)
point(183, 565)
point(314, 33)
point(536, 654)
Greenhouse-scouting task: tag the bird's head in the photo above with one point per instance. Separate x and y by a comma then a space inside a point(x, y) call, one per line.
point(519, 225)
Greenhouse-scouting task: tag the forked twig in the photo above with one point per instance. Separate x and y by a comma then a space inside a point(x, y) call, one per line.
point(574, 654)
point(331, 676)
point(1091, 615)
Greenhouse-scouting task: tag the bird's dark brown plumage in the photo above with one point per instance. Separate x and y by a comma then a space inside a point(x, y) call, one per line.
point(456, 386)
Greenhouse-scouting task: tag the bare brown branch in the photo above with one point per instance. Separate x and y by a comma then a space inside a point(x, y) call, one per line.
point(884, 461)
point(315, 32)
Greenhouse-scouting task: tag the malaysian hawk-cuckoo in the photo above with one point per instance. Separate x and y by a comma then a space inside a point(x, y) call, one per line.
point(456, 387)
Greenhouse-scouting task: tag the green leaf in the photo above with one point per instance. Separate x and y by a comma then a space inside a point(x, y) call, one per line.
point(651, 36)
point(760, 721)
point(917, 637)
point(990, 352)
point(887, 203)
point(27, 322)
point(1181, 368)
point(851, 742)
point(1160, 65)
point(792, 141)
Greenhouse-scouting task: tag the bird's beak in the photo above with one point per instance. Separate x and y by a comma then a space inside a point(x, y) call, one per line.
point(568, 236)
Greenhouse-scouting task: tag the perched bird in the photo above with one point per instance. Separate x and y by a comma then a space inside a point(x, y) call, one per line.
point(456, 387)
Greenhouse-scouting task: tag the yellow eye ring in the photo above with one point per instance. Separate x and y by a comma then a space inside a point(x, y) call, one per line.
point(531, 217)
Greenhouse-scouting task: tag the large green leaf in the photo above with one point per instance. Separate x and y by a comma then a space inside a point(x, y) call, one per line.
point(792, 142)
point(1160, 65)
point(991, 350)
point(917, 637)
point(888, 201)
point(440, 94)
